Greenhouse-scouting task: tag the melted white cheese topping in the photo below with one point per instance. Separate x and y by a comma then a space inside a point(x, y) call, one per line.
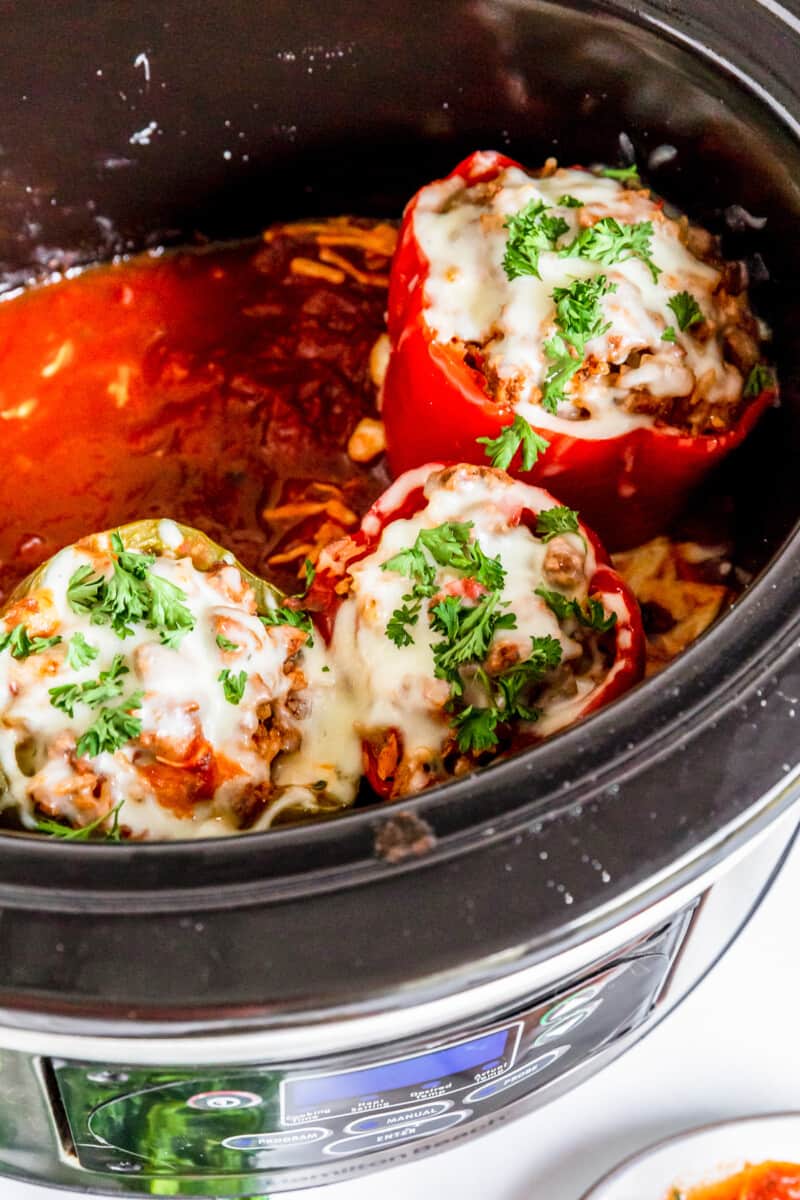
point(470, 298)
point(391, 687)
point(183, 707)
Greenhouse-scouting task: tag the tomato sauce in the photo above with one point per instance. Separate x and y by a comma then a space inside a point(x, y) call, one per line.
point(218, 386)
point(766, 1181)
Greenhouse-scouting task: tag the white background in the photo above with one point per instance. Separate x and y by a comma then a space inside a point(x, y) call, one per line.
point(731, 1048)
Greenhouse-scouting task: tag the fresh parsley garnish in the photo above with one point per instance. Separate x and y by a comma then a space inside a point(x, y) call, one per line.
point(466, 629)
point(567, 201)
point(400, 620)
point(511, 693)
point(310, 572)
point(760, 378)
point(593, 616)
point(284, 615)
point(93, 692)
point(85, 589)
point(22, 645)
point(686, 309)
point(579, 318)
point(448, 545)
point(112, 728)
point(471, 633)
point(669, 334)
point(233, 685)
point(514, 684)
point(552, 521)
point(608, 242)
point(476, 729)
point(225, 644)
point(133, 594)
point(530, 231)
point(519, 435)
point(84, 832)
point(79, 652)
point(623, 174)
point(168, 613)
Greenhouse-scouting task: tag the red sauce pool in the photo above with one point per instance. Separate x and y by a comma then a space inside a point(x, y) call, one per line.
point(213, 386)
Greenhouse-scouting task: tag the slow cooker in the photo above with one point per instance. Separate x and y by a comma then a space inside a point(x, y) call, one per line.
point(280, 1010)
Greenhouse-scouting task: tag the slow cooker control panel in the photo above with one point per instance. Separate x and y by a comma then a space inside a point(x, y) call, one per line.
point(284, 1122)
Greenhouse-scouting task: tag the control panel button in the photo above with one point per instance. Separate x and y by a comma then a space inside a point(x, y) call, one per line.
point(398, 1116)
point(513, 1078)
point(577, 1000)
point(558, 1028)
point(384, 1138)
point(279, 1139)
point(223, 1101)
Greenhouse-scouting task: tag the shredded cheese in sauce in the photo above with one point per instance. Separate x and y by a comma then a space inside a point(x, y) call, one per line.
point(470, 299)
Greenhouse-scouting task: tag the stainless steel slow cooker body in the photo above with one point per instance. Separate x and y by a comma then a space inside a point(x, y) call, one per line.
point(286, 1008)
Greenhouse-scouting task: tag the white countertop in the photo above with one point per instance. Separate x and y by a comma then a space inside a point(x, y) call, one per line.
point(731, 1048)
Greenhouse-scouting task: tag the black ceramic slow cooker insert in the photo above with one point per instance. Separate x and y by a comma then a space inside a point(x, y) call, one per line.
point(220, 968)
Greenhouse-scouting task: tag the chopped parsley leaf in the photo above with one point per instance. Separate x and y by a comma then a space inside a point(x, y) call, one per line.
point(84, 589)
point(232, 685)
point(608, 242)
point(22, 645)
point(760, 378)
point(113, 727)
point(669, 334)
point(623, 174)
point(593, 616)
point(552, 521)
point(515, 681)
point(401, 618)
point(108, 686)
point(476, 729)
point(449, 546)
point(226, 645)
point(567, 201)
point(686, 309)
point(519, 435)
point(310, 572)
point(530, 231)
point(168, 613)
point(579, 318)
point(93, 692)
point(131, 595)
point(472, 633)
point(79, 652)
point(284, 615)
point(131, 561)
point(413, 564)
point(84, 832)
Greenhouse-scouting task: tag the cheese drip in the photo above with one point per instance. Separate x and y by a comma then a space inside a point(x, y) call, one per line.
point(187, 722)
point(395, 686)
point(469, 298)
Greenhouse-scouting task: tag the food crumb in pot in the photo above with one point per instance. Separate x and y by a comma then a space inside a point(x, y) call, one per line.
point(404, 835)
point(367, 440)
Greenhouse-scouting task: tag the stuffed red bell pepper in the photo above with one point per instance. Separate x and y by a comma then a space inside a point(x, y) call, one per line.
point(563, 326)
point(471, 614)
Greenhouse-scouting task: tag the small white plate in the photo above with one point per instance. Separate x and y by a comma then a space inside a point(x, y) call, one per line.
point(702, 1156)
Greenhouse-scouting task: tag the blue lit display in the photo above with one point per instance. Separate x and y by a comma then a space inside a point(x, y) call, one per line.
point(423, 1070)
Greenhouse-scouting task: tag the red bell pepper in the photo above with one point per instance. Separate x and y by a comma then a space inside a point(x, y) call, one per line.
point(436, 406)
point(624, 643)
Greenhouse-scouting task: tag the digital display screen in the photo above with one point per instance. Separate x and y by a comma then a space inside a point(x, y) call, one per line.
point(423, 1070)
